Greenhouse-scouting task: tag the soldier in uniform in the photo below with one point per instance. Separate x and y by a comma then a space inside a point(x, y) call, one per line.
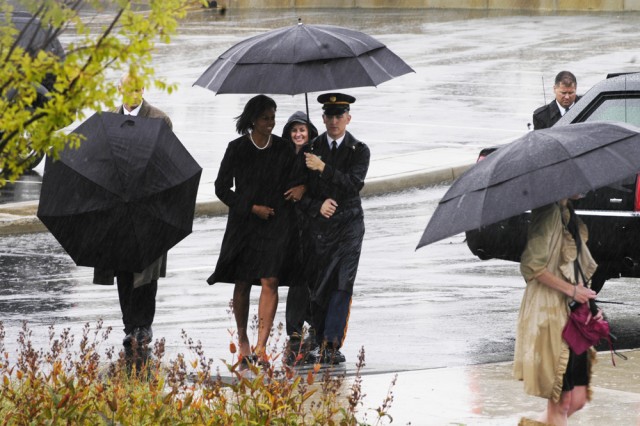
point(335, 164)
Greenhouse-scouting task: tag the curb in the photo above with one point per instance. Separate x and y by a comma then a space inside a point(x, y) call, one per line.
point(20, 218)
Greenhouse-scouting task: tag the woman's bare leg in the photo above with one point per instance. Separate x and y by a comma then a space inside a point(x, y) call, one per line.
point(266, 311)
point(578, 399)
point(241, 293)
point(557, 412)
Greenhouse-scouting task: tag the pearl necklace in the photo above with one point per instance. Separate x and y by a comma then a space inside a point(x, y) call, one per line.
point(264, 147)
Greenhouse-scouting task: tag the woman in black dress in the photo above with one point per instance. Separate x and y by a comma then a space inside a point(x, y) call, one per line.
point(252, 182)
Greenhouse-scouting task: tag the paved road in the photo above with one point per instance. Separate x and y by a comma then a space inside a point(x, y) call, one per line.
point(435, 307)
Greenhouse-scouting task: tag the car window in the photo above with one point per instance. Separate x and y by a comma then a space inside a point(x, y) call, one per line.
point(612, 107)
point(625, 110)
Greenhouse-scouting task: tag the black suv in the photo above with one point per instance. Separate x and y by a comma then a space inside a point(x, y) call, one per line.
point(612, 213)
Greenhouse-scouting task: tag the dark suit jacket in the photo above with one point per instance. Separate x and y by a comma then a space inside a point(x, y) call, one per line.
point(149, 111)
point(158, 268)
point(547, 115)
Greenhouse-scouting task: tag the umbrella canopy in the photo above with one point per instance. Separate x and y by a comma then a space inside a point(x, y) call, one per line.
point(539, 168)
point(303, 58)
point(124, 197)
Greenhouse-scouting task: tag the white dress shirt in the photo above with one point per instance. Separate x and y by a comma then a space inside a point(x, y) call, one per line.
point(133, 112)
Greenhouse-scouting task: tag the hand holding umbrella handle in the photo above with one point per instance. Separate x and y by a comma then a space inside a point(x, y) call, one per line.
point(314, 162)
point(582, 294)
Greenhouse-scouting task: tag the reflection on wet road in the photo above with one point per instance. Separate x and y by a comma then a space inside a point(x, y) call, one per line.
point(435, 307)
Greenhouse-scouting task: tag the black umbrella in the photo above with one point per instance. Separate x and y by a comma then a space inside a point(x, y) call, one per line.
point(539, 168)
point(124, 197)
point(303, 58)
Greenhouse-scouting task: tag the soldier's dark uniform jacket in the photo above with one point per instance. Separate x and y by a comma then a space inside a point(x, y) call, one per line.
point(337, 241)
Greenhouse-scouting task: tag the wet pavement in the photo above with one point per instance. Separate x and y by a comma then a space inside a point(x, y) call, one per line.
point(487, 395)
point(479, 75)
point(440, 317)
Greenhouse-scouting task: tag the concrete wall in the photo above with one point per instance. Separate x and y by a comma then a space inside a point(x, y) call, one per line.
point(541, 5)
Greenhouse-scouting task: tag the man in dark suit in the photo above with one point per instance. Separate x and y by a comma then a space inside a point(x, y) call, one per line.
point(336, 164)
point(136, 290)
point(564, 89)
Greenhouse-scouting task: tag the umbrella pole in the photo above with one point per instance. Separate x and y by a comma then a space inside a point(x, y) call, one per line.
point(306, 101)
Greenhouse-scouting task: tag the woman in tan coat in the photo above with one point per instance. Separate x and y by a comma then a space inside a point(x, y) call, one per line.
point(543, 360)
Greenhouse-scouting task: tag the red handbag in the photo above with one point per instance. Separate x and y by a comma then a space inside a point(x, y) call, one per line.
point(580, 336)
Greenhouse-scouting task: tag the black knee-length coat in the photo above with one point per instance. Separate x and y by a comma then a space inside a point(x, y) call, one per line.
point(254, 248)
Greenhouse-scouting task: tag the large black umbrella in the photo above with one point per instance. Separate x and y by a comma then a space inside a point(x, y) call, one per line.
point(124, 197)
point(303, 58)
point(539, 168)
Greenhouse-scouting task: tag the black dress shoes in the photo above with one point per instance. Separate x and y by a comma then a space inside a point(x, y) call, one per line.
point(326, 355)
point(142, 335)
point(298, 352)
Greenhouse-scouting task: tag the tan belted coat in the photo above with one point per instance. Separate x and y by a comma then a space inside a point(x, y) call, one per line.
point(541, 355)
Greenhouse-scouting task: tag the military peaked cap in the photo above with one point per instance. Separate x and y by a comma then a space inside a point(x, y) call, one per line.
point(335, 103)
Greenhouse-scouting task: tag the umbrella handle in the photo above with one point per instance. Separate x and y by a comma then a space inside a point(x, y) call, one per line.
point(128, 122)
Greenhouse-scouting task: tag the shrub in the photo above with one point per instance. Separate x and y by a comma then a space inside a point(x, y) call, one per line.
point(88, 384)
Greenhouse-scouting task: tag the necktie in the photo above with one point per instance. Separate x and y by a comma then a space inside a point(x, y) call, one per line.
point(334, 149)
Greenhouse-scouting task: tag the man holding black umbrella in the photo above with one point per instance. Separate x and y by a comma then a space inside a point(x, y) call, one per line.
point(136, 290)
point(337, 165)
